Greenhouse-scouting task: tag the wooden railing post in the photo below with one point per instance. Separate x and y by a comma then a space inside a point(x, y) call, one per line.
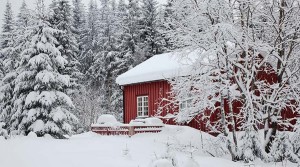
point(131, 131)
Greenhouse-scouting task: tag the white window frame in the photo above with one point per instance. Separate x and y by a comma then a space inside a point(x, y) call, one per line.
point(142, 106)
point(185, 104)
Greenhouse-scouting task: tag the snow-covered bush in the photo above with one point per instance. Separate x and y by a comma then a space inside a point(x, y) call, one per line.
point(251, 146)
point(216, 147)
point(295, 138)
point(3, 132)
point(282, 149)
point(162, 163)
point(167, 158)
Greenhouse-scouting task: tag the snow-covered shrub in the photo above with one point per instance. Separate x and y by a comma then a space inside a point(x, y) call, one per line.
point(3, 132)
point(295, 139)
point(282, 149)
point(251, 146)
point(167, 158)
point(216, 147)
point(162, 163)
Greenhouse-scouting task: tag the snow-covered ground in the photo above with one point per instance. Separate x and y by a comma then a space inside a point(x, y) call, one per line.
point(90, 149)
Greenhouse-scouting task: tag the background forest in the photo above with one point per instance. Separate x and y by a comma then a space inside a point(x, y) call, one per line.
point(67, 52)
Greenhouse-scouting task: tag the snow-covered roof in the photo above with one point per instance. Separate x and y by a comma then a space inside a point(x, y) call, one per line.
point(160, 67)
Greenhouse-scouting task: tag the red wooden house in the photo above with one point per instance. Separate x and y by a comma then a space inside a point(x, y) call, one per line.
point(144, 85)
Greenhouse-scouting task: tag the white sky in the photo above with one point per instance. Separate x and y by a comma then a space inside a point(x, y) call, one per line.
point(16, 4)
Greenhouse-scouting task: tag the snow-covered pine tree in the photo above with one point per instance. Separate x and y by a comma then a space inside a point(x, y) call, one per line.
point(166, 17)
point(80, 26)
point(8, 57)
point(91, 44)
point(7, 27)
point(11, 62)
point(130, 36)
point(62, 20)
point(41, 104)
point(104, 70)
point(151, 39)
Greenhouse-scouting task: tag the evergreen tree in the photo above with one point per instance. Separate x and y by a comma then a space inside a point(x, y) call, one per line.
point(106, 62)
point(40, 104)
point(8, 27)
point(167, 16)
point(11, 61)
point(151, 39)
point(130, 38)
point(8, 63)
point(91, 43)
point(62, 20)
point(80, 26)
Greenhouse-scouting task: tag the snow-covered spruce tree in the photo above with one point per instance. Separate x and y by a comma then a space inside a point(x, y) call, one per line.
point(105, 67)
point(8, 58)
point(151, 39)
point(7, 27)
point(90, 44)
point(7, 36)
point(40, 104)
point(131, 51)
point(11, 60)
point(79, 24)
point(67, 43)
point(166, 15)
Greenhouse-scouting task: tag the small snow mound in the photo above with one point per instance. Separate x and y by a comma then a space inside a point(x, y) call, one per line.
point(107, 119)
point(162, 163)
point(147, 121)
point(154, 121)
point(137, 122)
point(191, 163)
point(47, 136)
point(32, 135)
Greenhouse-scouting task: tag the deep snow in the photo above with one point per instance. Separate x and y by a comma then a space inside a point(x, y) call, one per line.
point(90, 149)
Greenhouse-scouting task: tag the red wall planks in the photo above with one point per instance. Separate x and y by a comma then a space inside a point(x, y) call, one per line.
point(152, 89)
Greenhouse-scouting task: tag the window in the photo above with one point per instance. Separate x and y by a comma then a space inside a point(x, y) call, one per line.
point(185, 104)
point(142, 106)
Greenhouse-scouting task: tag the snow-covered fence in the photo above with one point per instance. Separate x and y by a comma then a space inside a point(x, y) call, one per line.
point(108, 125)
point(125, 129)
